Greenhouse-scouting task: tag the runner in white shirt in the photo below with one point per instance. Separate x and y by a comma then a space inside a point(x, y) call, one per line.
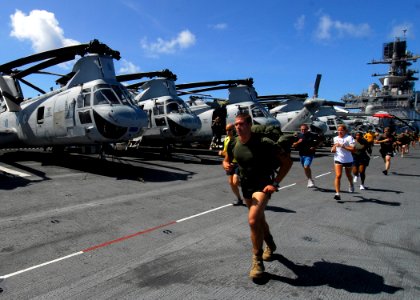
point(342, 149)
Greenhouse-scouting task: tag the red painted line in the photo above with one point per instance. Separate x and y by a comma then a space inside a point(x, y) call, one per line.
point(126, 237)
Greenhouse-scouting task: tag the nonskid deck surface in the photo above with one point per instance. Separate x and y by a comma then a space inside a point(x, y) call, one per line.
point(140, 227)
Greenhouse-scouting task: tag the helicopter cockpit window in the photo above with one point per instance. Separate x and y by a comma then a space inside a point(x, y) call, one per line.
point(86, 98)
point(83, 100)
point(104, 95)
point(184, 107)
point(123, 94)
point(172, 107)
point(243, 110)
point(258, 111)
point(159, 109)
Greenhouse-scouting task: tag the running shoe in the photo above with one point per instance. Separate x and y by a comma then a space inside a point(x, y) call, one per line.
point(351, 188)
point(355, 179)
point(362, 187)
point(337, 197)
point(238, 202)
point(310, 183)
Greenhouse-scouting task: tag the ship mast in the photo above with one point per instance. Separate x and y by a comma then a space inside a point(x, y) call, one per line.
point(397, 94)
point(399, 78)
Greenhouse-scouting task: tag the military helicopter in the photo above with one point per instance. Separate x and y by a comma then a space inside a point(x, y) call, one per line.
point(287, 107)
point(91, 106)
point(170, 120)
point(305, 111)
point(242, 99)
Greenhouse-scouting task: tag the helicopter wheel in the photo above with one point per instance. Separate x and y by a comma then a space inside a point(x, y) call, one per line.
point(166, 151)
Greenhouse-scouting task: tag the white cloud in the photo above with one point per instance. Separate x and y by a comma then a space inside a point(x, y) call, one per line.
point(185, 39)
point(398, 31)
point(219, 26)
point(324, 28)
point(328, 29)
point(300, 23)
point(127, 67)
point(41, 28)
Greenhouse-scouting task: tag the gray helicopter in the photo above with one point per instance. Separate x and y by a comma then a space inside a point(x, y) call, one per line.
point(308, 110)
point(170, 119)
point(91, 107)
point(288, 112)
point(242, 99)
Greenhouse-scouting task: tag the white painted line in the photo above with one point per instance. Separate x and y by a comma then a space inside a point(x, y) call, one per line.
point(14, 172)
point(320, 175)
point(40, 265)
point(120, 239)
point(286, 186)
point(203, 213)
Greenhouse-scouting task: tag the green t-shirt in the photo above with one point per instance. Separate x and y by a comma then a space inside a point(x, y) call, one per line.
point(360, 149)
point(257, 159)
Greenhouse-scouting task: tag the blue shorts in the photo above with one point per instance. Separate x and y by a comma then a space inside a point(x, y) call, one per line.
point(306, 161)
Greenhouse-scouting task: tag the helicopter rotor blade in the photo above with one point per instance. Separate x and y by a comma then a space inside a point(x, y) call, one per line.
point(283, 97)
point(32, 86)
point(134, 86)
point(7, 67)
point(316, 86)
point(214, 88)
point(333, 103)
point(182, 86)
point(164, 73)
point(55, 56)
point(43, 65)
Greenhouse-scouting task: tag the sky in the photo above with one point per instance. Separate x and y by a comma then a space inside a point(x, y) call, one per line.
point(281, 44)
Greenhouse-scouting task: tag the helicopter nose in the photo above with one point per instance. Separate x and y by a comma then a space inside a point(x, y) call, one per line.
point(275, 122)
point(123, 115)
point(191, 122)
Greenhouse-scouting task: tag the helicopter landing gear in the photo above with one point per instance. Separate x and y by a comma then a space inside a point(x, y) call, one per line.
point(166, 151)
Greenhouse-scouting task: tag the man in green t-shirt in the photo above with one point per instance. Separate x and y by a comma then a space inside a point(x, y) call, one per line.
point(257, 158)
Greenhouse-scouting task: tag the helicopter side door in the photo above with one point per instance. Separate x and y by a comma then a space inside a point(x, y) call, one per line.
point(44, 121)
point(82, 111)
point(59, 116)
point(159, 115)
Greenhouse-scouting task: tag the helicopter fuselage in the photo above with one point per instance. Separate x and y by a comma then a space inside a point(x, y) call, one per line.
point(169, 120)
point(258, 114)
point(90, 113)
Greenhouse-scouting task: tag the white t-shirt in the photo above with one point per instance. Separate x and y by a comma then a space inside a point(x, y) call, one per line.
point(342, 155)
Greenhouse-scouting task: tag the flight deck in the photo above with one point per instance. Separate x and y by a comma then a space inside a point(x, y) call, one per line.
point(140, 227)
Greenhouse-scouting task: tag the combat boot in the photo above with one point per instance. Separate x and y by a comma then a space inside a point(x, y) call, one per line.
point(257, 268)
point(269, 251)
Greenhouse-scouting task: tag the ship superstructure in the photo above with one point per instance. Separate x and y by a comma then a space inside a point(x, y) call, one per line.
point(397, 95)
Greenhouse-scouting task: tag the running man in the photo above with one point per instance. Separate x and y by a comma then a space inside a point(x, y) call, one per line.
point(386, 141)
point(306, 144)
point(256, 157)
